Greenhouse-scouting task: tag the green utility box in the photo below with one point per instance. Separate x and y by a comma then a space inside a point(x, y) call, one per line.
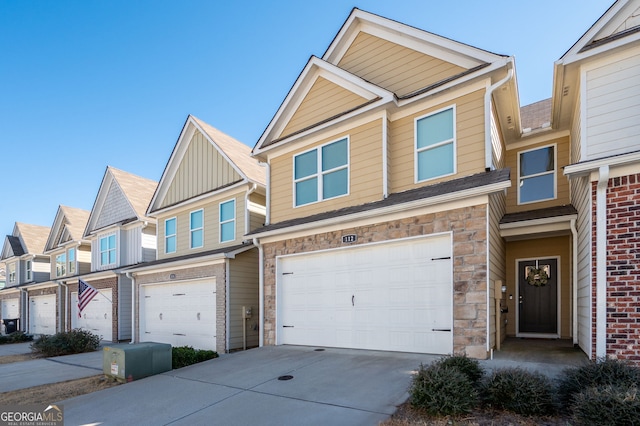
point(129, 362)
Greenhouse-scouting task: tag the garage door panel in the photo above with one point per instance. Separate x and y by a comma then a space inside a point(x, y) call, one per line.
point(10, 308)
point(96, 316)
point(42, 314)
point(388, 297)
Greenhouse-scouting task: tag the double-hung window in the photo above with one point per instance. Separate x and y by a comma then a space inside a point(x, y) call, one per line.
point(29, 270)
point(11, 269)
point(435, 145)
point(196, 228)
point(170, 235)
point(537, 175)
point(61, 265)
point(108, 250)
point(228, 221)
point(322, 173)
point(72, 261)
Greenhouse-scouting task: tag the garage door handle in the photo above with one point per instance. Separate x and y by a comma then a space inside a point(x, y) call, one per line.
point(179, 334)
point(353, 298)
point(287, 326)
point(441, 258)
point(440, 329)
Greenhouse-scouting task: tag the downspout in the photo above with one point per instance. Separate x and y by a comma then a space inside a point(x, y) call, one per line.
point(267, 219)
point(227, 285)
point(63, 317)
point(133, 306)
point(574, 281)
point(25, 310)
point(385, 155)
point(488, 149)
point(246, 208)
point(601, 262)
point(256, 243)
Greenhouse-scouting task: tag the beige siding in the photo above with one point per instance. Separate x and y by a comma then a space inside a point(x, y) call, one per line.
point(84, 259)
point(539, 248)
point(324, 100)
point(396, 68)
point(365, 174)
point(211, 207)
point(469, 142)
point(202, 169)
point(562, 154)
point(576, 140)
point(497, 255)
point(498, 151)
point(243, 291)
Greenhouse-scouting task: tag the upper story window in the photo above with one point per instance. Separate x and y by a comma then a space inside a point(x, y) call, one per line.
point(537, 175)
point(321, 173)
point(61, 265)
point(196, 228)
point(72, 261)
point(435, 145)
point(108, 250)
point(11, 272)
point(170, 235)
point(29, 270)
point(228, 221)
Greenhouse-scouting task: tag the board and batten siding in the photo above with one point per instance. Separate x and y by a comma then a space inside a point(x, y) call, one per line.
point(201, 170)
point(562, 183)
point(325, 99)
point(211, 237)
point(581, 199)
point(497, 254)
point(365, 174)
point(243, 291)
point(469, 142)
point(396, 68)
point(612, 116)
point(148, 241)
point(124, 307)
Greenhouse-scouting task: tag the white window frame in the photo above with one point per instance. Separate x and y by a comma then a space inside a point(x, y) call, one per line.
point(453, 141)
point(320, 173)
point(11, 272)
point(71, 264)
point(174, 235)
point(227, 221)
point(29, 270)
point(114, 249)
point(61, 265)
point(192, 229)
point(555, 173)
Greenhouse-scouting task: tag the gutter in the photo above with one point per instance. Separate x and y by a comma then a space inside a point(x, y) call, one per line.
point(574, 281)
point(24, 308)
point(601, 262)
point(488, 163)
point(256, 243)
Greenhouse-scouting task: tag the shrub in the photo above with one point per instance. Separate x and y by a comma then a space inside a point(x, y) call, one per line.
point(602, 372)
point(519, 391)
point(15, 337)
point(442, 390)
point(183, 356)
point(467, 366)
point(607, 405)
point(66, 343)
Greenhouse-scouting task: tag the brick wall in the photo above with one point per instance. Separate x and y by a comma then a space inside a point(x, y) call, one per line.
point(469, 229)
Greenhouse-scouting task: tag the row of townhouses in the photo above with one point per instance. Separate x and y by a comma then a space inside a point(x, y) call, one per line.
point(400, 199)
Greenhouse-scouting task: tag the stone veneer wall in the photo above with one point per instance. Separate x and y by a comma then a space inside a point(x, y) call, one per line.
point(623, 270)
point(469, 228)
point(189, 273)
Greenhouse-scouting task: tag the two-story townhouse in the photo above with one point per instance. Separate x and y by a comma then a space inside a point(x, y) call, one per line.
point(387, 177)
point(25, 264)
point(121, 235)
point(597, 98)
point(202, 290)
point(70, 255)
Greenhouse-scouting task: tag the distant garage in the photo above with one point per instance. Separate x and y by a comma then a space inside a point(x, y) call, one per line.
point(42, 314)
point(179, 313)
point(392, 296)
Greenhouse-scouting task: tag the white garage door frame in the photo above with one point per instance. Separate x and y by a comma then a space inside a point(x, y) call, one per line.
point(184, 313)
point(443, 330)
point(96, 316)
point(42, 314)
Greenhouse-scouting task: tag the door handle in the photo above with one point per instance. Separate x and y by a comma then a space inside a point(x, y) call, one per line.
point(353, 297)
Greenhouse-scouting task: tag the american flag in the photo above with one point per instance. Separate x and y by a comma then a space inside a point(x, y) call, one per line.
point(85, 294)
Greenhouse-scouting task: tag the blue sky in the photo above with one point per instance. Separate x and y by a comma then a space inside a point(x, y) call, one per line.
point(86, 84)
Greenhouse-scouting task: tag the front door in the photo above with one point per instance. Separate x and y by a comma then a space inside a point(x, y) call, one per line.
point(538, 296)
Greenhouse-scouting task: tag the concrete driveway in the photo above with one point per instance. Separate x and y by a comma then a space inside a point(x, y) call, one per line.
point(329, 386)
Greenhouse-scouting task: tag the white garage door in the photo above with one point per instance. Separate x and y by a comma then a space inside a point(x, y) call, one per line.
point(42, 314)
point(181, 314)
point(10, 308)
point(393, 296)
point(96, 316)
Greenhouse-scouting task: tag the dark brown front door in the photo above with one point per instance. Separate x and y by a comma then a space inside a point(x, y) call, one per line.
point(538, 296)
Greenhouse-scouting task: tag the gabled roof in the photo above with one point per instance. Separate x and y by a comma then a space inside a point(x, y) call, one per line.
point(15, 245)
point(68, 225)
point(25, 239)
point(237, 154)
point(134, 191)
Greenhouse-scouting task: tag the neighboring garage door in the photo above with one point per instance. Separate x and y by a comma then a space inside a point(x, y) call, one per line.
point(182, 314)
point(10, 308)
point(42, 314)
point(394, 296)
point(96, 316)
